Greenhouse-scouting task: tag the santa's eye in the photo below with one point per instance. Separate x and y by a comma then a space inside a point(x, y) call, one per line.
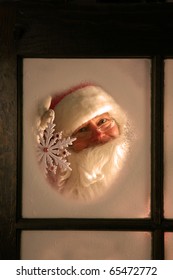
point(102, 121)
point(83, 129)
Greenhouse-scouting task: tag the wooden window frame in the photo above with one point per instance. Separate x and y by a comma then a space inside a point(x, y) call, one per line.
point(62, 29)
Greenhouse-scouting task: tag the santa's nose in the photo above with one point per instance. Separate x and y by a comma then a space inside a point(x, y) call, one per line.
point(96, 134)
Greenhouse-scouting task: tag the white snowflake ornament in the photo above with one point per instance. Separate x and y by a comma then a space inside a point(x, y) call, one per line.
point(52, 150)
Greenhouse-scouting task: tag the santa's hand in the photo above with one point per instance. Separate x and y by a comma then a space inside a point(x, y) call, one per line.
point(46, 118)
point(42, 123)
point(44, 115)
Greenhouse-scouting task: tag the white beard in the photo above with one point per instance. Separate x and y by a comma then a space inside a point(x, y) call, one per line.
point(93, 170)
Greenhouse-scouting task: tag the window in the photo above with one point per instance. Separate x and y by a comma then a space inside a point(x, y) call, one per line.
point(71, 31)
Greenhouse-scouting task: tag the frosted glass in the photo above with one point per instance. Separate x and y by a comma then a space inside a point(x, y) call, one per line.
point(128, 81)
point(74, 245)
point(168, 139)
point(168, 246)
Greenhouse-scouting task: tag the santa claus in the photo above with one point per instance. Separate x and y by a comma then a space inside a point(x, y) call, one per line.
point(101, 131)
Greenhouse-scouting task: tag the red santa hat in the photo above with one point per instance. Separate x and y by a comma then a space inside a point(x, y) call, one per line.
point(80, 104)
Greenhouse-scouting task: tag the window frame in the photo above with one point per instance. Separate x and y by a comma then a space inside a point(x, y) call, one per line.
point(44, 31)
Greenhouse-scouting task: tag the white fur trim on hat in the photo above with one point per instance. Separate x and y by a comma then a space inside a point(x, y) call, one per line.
point(81, 106)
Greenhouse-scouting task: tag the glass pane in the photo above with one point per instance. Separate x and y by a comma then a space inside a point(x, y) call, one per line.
point(168, 246)
point(85, 245)
point(168, 139)
point(128, 83)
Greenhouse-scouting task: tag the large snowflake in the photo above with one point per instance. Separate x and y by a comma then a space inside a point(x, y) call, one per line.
point(52, 150)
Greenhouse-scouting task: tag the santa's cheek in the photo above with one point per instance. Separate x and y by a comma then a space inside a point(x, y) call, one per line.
point(113, 132)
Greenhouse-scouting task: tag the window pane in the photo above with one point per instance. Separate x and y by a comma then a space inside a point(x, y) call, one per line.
point(169, 246)
point(168, 139)
point(128, 82)
point(85, 245)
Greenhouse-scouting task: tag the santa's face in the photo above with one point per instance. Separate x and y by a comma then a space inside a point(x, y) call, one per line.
point(96, 131)
point(96, 158)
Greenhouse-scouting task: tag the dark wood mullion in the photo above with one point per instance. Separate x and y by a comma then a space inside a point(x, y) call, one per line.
point(93, 224)
point(168, 225)
point(18, 243)
point(19, 63)
point(86, 224)
point(157, 114)
point(158, 244)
